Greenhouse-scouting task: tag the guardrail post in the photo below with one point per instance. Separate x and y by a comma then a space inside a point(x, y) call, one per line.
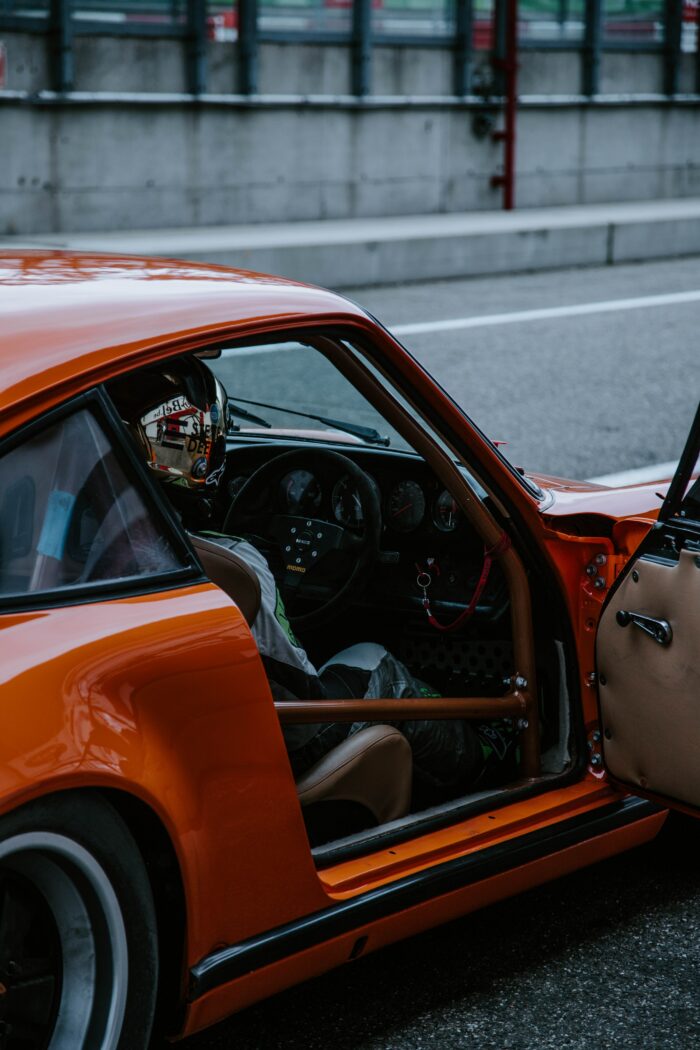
point(499, 46)
point(60, 40)
point(505, 65)
point(248, 47)
point(464, 30)
point(197, 46)
point(592, 46)
point(673, 27)
point(361, 47)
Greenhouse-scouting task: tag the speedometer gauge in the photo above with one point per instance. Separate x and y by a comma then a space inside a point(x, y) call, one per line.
point(406, 506)
point(446, 513)
point(300, 492)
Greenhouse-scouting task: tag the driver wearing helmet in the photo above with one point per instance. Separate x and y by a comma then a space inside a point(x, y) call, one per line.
point(178, 414)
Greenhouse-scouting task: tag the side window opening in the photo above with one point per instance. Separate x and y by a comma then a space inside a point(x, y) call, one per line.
point(309, 454)
point(69, 514)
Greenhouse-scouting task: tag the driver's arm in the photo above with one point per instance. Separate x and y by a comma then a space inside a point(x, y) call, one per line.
point(289, 670)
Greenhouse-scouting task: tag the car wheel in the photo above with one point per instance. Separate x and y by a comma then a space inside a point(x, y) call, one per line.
point(78, 938)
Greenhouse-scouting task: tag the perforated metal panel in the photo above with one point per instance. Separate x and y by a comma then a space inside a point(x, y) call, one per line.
point(458, 656)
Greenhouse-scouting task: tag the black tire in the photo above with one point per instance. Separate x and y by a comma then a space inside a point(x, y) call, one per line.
point(73, 887)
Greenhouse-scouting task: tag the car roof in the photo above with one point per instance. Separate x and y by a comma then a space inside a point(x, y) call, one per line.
point(70, 319)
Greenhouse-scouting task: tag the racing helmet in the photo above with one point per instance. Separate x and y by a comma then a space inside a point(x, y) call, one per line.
point(179, 416)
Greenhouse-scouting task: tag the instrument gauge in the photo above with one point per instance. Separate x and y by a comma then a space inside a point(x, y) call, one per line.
point(406, 506)
point(347, 505)
point(236, 484)
point(300, 492)
point(446, 513)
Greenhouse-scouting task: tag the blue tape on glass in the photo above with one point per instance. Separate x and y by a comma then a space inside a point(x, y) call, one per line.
point(59, 509)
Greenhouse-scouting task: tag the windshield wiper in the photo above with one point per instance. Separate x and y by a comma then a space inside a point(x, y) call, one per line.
point(248, 416)
point(368, 434)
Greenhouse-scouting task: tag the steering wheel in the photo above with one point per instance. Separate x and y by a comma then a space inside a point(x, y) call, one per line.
point(304, 541)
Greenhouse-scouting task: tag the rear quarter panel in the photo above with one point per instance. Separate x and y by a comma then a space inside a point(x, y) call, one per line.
point(164, 696)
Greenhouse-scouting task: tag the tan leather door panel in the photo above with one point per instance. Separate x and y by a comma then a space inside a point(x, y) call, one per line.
point(650, 693)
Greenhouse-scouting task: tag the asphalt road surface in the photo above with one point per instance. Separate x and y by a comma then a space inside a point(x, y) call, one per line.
point(574, 395)
point(610, 956)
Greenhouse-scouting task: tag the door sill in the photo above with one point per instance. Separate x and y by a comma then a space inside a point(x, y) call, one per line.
point(417, 824)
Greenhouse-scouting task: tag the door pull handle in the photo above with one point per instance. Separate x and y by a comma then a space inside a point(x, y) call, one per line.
point(660, 630)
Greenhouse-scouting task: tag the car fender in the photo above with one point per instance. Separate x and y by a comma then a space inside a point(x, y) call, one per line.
point(164, 696)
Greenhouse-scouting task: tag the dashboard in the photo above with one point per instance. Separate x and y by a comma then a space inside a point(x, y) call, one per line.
point(407, 504)
point(423, 529)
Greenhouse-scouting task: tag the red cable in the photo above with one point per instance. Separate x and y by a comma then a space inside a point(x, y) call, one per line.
point(500, 547)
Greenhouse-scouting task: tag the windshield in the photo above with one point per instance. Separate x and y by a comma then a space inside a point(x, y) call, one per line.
point(274, 383)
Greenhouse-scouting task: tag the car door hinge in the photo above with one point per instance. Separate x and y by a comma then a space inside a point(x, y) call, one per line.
point(595, 755)
point(601, 572)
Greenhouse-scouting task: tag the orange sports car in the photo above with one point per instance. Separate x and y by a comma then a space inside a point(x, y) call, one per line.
point(165, 856)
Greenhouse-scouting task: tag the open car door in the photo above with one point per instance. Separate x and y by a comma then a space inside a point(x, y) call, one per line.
point(648, 652)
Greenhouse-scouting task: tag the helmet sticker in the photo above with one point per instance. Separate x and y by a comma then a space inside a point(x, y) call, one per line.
point(199, 468)
point(215, 476)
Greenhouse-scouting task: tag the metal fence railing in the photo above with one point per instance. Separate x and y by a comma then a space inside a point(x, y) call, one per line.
point(467, 27)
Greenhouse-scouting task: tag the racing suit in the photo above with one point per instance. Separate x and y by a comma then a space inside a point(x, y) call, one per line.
point(448, 755)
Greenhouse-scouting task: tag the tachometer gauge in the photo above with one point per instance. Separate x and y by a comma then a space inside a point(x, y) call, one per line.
point(300, 492)
point(446, 513)
point(347, 505)
point(406, 506)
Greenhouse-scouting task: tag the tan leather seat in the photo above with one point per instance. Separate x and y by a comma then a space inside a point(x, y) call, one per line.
point(373, 767)
point(231, 573)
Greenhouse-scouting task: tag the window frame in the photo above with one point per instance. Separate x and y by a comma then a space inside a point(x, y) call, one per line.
point(98, 402)
point(673, 506)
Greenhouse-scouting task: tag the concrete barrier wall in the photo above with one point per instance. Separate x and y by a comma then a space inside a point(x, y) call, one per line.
point(121, 164)
point(124, 166)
